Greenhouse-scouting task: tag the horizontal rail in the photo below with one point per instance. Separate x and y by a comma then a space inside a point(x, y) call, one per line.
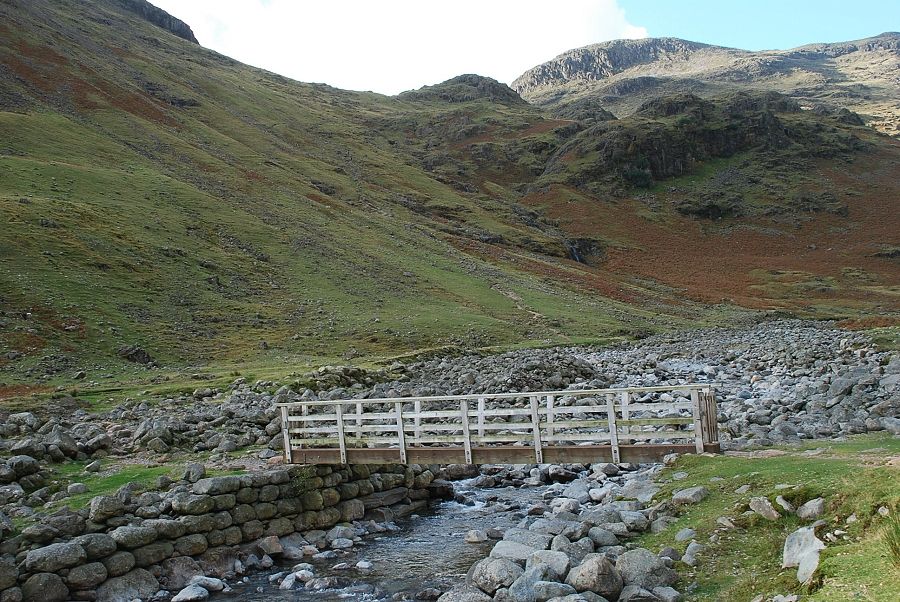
point(475, 396)
point(532, 425)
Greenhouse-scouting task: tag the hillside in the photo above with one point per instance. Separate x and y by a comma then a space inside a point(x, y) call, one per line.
point(859, 75)
point(166, 205)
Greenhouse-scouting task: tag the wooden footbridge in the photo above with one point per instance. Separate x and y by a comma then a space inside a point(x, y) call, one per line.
point(640, 424)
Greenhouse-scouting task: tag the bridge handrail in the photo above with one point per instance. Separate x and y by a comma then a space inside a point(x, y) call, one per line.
point(347, 430)
point(476, 396)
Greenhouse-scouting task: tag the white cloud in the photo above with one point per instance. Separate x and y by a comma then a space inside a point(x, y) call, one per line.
point(393, 45)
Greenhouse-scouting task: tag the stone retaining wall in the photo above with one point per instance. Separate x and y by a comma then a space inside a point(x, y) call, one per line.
point(134, 544)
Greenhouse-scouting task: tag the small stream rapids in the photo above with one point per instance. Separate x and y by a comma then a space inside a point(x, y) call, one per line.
point(428, 551)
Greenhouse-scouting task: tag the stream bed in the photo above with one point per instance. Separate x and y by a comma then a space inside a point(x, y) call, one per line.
point(428, 551)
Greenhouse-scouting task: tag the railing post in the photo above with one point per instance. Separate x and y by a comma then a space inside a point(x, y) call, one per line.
point(401, 435)
point(481, 416)
point(550, 431)
point(613, 429)
point(359, 413)
point(626, 398)
point(467, 443)
point(698, 429)
point(342, 445)
point(536, 428)
point(286, 430)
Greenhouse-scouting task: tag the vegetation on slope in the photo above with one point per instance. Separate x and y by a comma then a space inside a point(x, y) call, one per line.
point(161, 196)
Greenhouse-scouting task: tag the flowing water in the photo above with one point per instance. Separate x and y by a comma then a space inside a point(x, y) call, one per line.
point(428, 551)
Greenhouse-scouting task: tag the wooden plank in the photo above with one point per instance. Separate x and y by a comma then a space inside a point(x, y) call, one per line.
point(698, 429)
point(342, 445)
point(536, 428)
point(497, 455)
point(550, 400)
point(401, 435)
point(481, 416)
point(615, 451)
point(284, 432)
point(359, 420)
point(467, 442)
point(625, 398)
point(417, 407)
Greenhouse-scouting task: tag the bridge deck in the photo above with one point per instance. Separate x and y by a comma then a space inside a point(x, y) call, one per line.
point(620, 425)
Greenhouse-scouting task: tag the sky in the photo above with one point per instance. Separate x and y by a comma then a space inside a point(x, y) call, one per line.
point(389, 46)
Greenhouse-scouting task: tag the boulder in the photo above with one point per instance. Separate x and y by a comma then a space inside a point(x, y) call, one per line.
point(801, 550)
point(691, 495)
point(129, 537)
point(86, 576)
point(137, 583)
point(511, 550)
point(812, 509)
point(763, 507)
point(104, 507)
point(645, 569)
point(523, 589)
point(464, 593)
point(491, 574)
point(596, 574)
point(191, 593)
point(44, 587)
point(54, 557)
point(558, 562)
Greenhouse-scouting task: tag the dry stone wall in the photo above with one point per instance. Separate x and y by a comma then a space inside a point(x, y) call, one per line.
point(132, 545)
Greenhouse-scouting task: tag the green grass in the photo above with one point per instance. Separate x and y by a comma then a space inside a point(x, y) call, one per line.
point(853, 477)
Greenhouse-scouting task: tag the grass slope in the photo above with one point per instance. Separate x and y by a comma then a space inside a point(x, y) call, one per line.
point(856, 478)
point(158, 194)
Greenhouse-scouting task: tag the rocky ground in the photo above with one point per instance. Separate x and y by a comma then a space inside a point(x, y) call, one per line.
point(776, 382)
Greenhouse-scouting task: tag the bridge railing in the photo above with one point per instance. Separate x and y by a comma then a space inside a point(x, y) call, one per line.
point(628, 424)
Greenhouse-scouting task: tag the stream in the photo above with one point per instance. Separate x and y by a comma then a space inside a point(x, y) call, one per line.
point(428, 551)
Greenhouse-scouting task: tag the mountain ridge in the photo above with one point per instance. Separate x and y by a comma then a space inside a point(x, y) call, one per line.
point(856, 74)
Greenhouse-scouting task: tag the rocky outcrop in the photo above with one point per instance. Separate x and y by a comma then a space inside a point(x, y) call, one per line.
point(160, 18)
point(600, 61)
point(464, 88)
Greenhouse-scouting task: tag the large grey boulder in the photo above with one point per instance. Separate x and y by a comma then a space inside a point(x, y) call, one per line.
point(511, 550)
point(691, 495)
point(547, 590)
point(645, 569)
point(96, 545)
point(217, 485)
point(532, 539)
point(801, 550)
point(763, 507)
point(558, 562)
point(133, 537)
point(54, 557)
point(523, 589)
point(104, 507)
point(491, 574)
point(138, 583)
point(45, 587)
point(464, 593)
point(23, 465)
point(596, 574)
point(635, 593)
point(86, 576)
point(812, 509)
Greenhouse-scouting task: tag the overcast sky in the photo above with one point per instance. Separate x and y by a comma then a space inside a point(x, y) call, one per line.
point(389, 46)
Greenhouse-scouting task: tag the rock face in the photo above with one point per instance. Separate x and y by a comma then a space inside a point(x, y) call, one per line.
point(622, 73)
point(160, 18)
